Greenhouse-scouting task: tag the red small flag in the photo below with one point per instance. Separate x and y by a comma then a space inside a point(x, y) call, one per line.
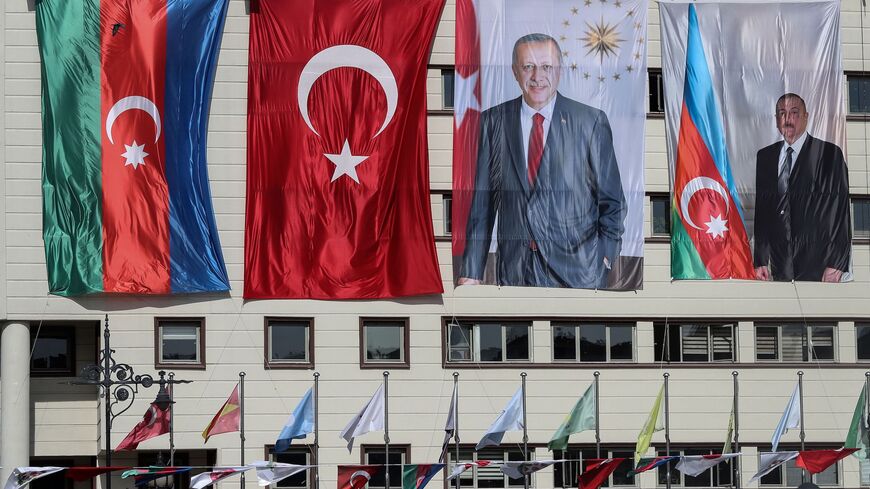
point(816, 461)
point(356, 476)
point(154, 423)
point(227, 419)
point(597, 471)
point(79, 474)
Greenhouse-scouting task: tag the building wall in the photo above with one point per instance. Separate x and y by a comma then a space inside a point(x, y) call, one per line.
point(67, 423)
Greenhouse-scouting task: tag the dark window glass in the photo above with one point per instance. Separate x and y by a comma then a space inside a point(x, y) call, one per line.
point(447, 202)
point(766, 343)
point(863, 333)
point(861, 217)
point(298, 456)
point(490, 343)
point(822, 342)
point(384, 342)
point(656, 92)
point(621, 476)
point(621, 342)
point(695, 343)
point(161, 459)
point(52, 350)
point(180, 343)
point(662, 470)
point(377, 457)
point(447, 77)
point(288, 340)
point(593, 343)
point(564, 343)
point(460, 343)
point(661, 215)
point(723, 342)
point(859, 94)
point(517, 342)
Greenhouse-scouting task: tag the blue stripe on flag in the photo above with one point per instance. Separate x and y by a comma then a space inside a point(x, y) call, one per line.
point(194, 29)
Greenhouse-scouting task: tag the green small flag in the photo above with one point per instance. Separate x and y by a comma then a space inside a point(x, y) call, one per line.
point(858, 433)
point(655, 422)
point(729, 436)
point(581, 418)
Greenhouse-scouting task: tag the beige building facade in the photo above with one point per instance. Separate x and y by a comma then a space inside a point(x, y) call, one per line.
point(702, 331)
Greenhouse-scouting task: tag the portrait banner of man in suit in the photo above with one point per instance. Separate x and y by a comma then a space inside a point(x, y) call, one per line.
point(550, 193)
point(776, 135)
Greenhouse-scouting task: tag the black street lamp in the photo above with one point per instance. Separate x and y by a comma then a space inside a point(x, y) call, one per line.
point(118, 386)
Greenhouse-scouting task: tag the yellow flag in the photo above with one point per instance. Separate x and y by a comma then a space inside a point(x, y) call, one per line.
point(655, 422)
point(729, 437)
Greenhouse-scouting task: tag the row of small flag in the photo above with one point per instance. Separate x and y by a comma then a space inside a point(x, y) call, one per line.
point(417, 476)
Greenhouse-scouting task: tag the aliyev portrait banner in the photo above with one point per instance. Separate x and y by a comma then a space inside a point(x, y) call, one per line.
point(549, 143)
point(756, 140)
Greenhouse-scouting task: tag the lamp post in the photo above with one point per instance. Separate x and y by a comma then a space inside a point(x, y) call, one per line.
point(118, 386)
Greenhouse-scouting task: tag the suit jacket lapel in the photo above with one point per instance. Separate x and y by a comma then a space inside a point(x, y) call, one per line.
point(515, 143)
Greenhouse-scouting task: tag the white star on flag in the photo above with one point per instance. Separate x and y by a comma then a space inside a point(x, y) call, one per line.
point(135, 155)
point(716, 226)
point(345, 163)
point(465, 99)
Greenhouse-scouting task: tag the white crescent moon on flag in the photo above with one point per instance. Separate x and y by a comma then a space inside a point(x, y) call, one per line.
point(694, 185)
point(130, 103)
point(359, 473)
point(352, 56)
point(153, 419)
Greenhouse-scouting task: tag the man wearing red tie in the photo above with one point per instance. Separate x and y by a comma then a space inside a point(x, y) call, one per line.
point(546, 167)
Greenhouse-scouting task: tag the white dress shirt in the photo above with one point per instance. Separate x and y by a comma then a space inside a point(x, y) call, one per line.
point(796, 146)
point(526, 114)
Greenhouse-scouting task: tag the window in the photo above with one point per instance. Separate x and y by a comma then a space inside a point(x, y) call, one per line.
point(447, 206)
point(717, 476)
point(581, 342)
point(296, 455)
point(859, 93)
point(289, 343)
point(57, 480)
point(53, 351)
point(385, 342)
point(489, 342)
point(789, 475)
point(565, 474)
point(375, 455)
point(447, 77)
point(656, 92)
point(861, 217)
point(794, 343)
point(660, 215)
point(695, 342)
point(489, 476)
point(161, 459)
point(862, 333)
point(180, 342)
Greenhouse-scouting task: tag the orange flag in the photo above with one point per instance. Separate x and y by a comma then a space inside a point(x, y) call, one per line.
point(227, 419)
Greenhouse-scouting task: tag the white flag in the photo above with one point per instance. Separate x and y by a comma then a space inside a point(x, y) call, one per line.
point(22, 476)
point(450, 426)
point(370, 418)
point(518, 470)
point(269, 473)
point(769, 461)
point(695, 465)
point(791, 417)
point(218, 474)
point(510, 419)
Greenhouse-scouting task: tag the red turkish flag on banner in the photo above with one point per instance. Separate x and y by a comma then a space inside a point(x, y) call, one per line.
point(338, 178)
point(356, 476)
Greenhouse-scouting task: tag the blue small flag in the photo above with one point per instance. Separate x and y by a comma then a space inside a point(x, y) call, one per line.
point(301, 423)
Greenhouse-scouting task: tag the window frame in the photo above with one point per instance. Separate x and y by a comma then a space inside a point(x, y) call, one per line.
point(855, 74)
point(269, 363)
point(838, 466)
point(54, 331)
point(405, 357)
point(311, 456)
point(447, 214)
point(182, 459)
point(442, 71)
point(807, 340)
point(607, 452)
point(475, 325)
point(860, 325)
point(159, 362)
point(473, 472)
point(666, 354)
point(655, 196)
point(853, 199)
point(608, 345)
point(403, 448)
point(653, 72)
point(681, 477)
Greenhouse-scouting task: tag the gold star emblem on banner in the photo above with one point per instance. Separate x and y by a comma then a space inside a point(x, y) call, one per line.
point(602, 39)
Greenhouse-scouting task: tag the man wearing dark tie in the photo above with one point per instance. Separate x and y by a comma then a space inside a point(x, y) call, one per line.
point(546, 167)
point(802, 223)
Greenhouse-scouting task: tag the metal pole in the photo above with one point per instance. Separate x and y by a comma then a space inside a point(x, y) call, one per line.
point(801, 400)
point(456, 421)
point(107, 399)
point(597, 423)
point(387, 428)
point(171, 420)
point(736, 432)
point(242, 426)
point(667, 433)
point(525, 432)
point(316, 431)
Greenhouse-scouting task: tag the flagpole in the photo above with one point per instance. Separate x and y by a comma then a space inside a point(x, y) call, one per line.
point(242, 425)
point(597, 430)
point(316, 431)
point(667, 434)
point(736, 432)
point(801, 398)
point(456, 419)
point(525, 432)
point(171, 421)
point(387, 428)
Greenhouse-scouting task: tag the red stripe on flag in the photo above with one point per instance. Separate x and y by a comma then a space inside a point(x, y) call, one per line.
point(725, 252)
point(135, 194)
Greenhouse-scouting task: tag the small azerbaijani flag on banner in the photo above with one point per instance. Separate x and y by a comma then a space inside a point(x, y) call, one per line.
point(416, 476)
point(708, 239)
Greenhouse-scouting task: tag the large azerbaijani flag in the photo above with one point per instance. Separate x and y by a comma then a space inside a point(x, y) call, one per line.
point(126, 86)
point(708, 239)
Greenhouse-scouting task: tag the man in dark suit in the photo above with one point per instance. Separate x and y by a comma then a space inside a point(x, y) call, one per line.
point(802, 224)
point(546, 167)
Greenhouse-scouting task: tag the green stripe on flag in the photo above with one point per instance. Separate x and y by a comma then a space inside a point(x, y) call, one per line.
point(69, 45)
point(686, 263)
point(858, 432)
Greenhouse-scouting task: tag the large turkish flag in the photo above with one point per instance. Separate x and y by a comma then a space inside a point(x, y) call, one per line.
point(338, 178)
